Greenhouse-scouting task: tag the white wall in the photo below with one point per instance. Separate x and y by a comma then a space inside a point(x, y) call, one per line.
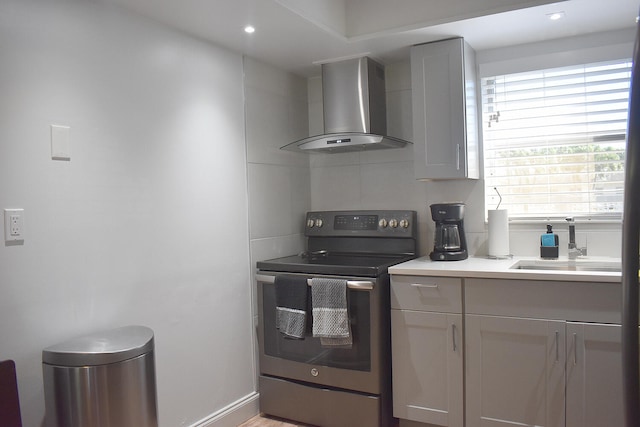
point(147, 224)
point(279, 183)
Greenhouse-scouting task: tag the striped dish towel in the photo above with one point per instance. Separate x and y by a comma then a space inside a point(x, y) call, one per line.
point(330, 313)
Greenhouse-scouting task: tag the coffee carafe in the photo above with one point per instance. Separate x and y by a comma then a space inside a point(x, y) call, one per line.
point(450, 243)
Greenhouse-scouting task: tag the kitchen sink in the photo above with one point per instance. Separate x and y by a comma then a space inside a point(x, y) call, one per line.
point(569, 265)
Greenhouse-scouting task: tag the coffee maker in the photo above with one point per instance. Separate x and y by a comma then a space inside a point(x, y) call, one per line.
point(450, 243)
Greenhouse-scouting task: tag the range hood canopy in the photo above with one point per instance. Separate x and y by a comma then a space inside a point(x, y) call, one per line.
point(354, 106)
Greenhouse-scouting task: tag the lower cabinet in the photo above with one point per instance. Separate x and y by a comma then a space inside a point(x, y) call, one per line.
point(427, 351)
point(515, 372)
point(546, 373)
point(427, 367)
point(511, 358)
point(594, 375)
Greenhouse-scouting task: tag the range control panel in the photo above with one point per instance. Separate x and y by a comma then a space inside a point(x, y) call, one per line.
point(361, 223)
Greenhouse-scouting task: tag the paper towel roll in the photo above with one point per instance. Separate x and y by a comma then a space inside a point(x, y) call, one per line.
point(498, 233)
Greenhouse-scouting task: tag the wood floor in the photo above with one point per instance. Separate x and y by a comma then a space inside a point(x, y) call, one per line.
point(263, 420)
point(269, 421)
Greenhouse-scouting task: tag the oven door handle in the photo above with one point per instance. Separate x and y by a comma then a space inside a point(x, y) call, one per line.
point(356, 285)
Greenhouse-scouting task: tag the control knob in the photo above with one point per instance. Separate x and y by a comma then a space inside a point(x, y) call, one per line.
point(318, 223)
point(310, 223)
point(404, 223)
point(393, 223)
point(382, 223)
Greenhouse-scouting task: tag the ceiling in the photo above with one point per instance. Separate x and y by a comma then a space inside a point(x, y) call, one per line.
point(297, 35)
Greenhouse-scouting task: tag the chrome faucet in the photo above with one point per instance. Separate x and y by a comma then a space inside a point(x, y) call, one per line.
point(574, 250)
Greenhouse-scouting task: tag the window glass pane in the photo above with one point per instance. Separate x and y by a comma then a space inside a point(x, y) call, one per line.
point(554, 140)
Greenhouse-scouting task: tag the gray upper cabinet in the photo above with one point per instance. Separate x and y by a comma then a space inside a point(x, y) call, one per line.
point(445, 125)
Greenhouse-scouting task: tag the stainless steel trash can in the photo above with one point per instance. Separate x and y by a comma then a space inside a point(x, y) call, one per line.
point(105, 379)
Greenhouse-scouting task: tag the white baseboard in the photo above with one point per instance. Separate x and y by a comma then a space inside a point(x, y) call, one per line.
point(234, 414)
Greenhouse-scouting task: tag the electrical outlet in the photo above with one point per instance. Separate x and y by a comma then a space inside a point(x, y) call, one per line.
point(13, 225)
point(16, 225)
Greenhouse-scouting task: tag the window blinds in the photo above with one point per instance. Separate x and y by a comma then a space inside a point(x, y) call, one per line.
point(554, 140)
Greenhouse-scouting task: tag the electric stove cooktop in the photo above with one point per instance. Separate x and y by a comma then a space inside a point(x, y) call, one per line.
point(352, 243)
point(334, 264)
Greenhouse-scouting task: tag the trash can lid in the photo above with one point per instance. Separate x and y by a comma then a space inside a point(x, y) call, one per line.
point(101, 348)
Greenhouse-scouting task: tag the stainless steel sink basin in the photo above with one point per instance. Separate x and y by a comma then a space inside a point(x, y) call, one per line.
point(569, 265)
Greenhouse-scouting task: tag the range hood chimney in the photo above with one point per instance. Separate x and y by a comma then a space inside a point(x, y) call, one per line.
point(354, 105)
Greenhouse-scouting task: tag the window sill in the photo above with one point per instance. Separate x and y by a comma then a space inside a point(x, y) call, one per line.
point(561, 220)
point(582, 224)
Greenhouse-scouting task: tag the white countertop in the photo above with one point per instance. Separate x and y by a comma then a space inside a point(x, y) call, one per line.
point(501, 269)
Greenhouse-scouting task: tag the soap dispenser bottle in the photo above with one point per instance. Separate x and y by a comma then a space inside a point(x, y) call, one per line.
point(549, 244)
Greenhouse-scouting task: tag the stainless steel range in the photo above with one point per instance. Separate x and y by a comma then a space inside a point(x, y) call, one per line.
point(334, 386)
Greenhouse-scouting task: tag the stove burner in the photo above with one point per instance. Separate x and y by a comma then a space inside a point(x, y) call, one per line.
point(314, 254)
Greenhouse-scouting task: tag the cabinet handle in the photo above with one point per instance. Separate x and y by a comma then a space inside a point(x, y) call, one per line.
point(575, 349)
point(420, 285)
point(458, 156)
point(557, 346)
point(453, 336)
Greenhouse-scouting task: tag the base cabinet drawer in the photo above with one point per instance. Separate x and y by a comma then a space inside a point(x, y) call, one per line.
point(544, 299)
point(440, 294)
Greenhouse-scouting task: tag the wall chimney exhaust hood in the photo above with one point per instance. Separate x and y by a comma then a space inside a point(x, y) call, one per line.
point(354, 105)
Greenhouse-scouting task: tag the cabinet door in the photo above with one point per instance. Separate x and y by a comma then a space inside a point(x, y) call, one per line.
point(427, 356)
point(439, 110)
point(594, 375)
point(514, 372)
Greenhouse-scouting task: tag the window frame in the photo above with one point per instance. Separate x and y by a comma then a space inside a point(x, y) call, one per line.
point(617, 45)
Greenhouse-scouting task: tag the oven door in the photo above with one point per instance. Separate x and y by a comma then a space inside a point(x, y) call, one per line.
point(356, 368)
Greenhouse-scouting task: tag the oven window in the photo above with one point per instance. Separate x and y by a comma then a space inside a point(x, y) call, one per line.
point(309, 350)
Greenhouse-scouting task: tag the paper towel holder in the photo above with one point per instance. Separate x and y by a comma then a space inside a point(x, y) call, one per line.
point(499, 197)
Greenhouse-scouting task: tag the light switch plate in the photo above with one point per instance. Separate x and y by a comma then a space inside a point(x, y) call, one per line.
point(60, 142)
point(13, 225)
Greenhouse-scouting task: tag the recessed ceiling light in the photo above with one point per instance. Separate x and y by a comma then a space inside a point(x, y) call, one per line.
point(249, 29)
point(555, 15)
